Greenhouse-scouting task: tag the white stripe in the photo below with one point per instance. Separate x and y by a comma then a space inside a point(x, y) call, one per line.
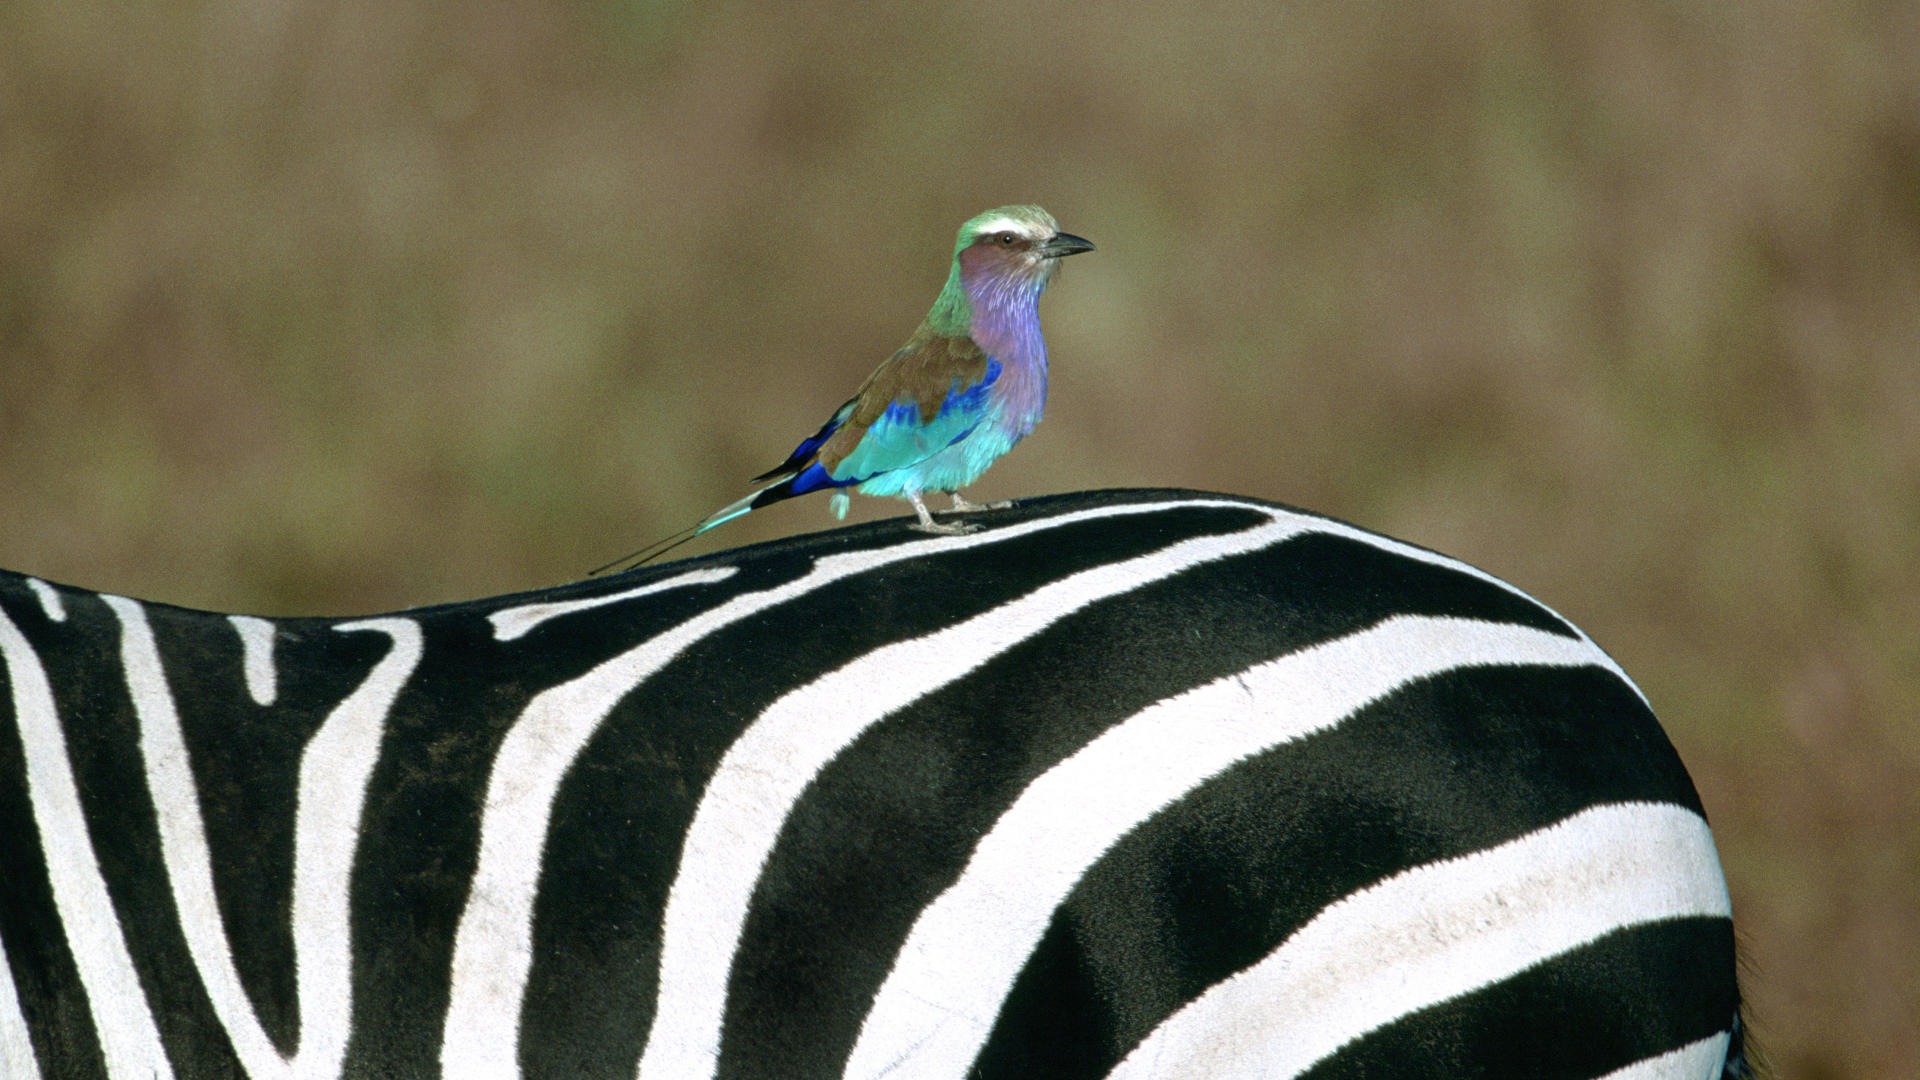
point(493, 946)
point(129, 1041)
point(766, 770)
point(1435, 932)
point(50, 601)
point(183, 841)
point(256, 652)
point(16, 1046)
point(334, 771)
point(1432, 558)
point(937, 1005)
point(510, 623)
point(1703, 1060)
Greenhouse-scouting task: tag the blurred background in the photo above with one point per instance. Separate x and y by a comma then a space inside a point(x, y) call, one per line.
point(339, 306)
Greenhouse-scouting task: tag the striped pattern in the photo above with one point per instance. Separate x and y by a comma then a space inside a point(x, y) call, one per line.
point(1131, 784)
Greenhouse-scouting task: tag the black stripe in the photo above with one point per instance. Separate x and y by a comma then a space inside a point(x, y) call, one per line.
point(891, 823)
point(1631, 995)
point(246, 763)
point(420, 838)
point(1452, 765)
point(418, 842)
point(622, 813)
point(103, 736)
point(420, 829)
point(44, 974)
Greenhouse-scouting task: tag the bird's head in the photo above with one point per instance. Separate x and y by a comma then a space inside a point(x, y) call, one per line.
point(1013, 245)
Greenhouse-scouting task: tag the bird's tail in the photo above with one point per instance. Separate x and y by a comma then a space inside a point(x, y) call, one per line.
point(772, 493)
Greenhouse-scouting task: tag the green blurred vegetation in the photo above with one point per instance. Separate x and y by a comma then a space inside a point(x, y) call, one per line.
point(339, 307)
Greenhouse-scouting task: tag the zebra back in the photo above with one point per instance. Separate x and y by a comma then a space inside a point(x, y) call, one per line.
point(1130, 784)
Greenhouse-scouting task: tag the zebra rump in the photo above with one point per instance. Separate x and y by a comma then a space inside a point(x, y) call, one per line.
point(1130, 784)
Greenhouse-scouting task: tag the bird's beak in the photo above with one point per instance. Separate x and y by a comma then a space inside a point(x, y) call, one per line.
point(1061, 245)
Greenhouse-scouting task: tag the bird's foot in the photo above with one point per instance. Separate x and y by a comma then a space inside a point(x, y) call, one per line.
point(937, 528)
point(967, 506)
point(948, 528)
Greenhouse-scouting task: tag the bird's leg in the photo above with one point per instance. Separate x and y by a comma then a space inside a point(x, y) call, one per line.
point(967, 506)
point(928, 525)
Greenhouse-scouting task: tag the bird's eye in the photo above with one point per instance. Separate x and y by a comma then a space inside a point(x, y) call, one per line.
point(1006, 239)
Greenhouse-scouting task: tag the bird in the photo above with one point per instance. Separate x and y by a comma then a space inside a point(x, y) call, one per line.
point(969, 384)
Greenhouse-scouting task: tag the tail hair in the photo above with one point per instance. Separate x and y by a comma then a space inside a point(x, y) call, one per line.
point(1744, 1060)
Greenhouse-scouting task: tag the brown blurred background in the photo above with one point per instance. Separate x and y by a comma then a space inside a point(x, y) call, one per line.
point(335, 306)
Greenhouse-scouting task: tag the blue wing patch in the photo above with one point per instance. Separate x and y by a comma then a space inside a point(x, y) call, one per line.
point(809, 446)
point(815, 476)
point(898, 439)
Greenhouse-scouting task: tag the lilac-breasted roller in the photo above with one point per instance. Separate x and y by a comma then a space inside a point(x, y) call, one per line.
point(969, 384)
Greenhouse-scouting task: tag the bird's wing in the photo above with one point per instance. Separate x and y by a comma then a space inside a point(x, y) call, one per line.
point(925, 398)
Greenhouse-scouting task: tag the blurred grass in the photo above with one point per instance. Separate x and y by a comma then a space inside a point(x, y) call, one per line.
point(341, 307)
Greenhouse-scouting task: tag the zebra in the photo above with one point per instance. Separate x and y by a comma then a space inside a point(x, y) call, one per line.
point(1133, 784)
